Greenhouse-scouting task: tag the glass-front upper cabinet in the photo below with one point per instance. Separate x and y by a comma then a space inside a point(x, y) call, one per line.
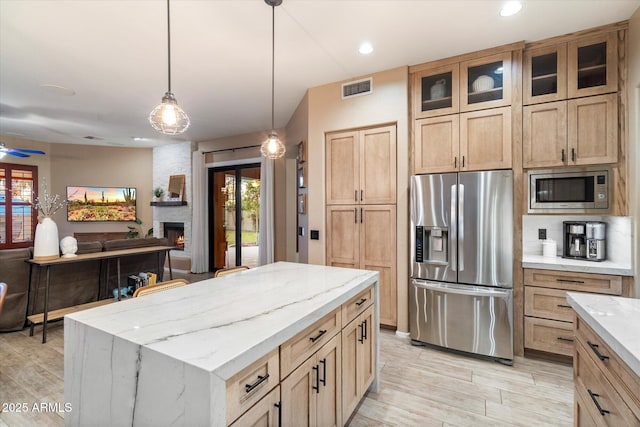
point(545, 74)
point(435, 91)
point(485, 82)
point(592, 65)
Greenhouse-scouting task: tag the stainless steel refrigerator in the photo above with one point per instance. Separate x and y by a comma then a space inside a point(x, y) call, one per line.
point(461, 295)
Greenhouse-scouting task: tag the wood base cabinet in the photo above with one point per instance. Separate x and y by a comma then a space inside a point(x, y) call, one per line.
point(358, 360)
point(266, 413)
point(365, 237)
point(312, 394)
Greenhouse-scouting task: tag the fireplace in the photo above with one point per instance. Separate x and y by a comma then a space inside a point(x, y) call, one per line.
point(174, 232)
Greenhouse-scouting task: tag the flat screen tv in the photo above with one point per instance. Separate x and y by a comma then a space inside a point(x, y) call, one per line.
point(88, 204)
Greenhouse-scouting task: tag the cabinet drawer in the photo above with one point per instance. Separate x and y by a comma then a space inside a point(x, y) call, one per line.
point(599, 397)
point(356, 305)
point(547, 303)
point(572, 281)
point(264, 413)
point(302, 346)
point(548, 335)
point(617, 372)
point(248, 386)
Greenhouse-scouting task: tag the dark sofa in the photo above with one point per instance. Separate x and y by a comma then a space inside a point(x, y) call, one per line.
point(70, 284)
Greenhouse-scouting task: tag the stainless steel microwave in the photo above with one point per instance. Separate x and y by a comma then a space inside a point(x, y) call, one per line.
point(580, 190)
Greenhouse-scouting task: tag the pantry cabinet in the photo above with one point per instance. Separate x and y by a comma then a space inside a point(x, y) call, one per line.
point(365, 237)
point(581, 131)
point(361, 166)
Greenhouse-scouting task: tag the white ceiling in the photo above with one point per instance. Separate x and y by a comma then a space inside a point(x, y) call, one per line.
point(112, 53)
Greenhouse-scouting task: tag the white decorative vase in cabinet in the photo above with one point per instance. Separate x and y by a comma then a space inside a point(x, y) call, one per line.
point(45, 245)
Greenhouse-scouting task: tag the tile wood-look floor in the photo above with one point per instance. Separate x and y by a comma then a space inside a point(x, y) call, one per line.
point(418, 386)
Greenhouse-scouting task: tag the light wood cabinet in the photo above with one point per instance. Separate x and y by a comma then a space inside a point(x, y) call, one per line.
point(548, 319)
point(585, 66)
point(436, 91)
point(365, 237)
point(312, 395)
point(593, 130)
point(361, 166)
point(479, 140)
point(358, 355)
point(544, 135)
point(437, 144)
point(265, 413)
point(251, 384)
point(607, 391)
point(577, 132)
point(592, 65)
point(485, 82)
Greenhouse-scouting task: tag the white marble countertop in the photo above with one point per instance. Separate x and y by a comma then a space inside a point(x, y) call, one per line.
point(566, 264)
point(222, 325)
point(615, 319)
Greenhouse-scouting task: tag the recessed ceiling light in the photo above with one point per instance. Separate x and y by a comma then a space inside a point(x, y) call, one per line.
point(365, 48)
point(58, 90)
point(511, 8)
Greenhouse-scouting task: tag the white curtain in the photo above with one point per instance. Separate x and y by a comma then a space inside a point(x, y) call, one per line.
point(199, 250)
point(266, 226)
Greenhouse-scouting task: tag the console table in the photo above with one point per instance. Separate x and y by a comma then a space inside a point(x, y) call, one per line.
point(107, 255)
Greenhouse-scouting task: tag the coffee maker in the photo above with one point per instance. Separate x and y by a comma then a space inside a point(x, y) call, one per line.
point(596, 240)
point(575, 240)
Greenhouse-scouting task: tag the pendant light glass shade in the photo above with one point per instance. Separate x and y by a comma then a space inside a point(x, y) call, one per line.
point(168, 117)
point(273, 148)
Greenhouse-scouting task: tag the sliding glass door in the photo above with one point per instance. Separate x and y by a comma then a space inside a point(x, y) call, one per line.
point(234, 214)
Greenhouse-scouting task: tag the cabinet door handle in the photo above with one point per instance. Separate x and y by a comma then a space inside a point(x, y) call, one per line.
point(603, 412)
point(455, 162)
point(562, 155)
point(324, 372)
point(261, 379)
point(355, 215)
point(362, 301)
point(361, 327)
point(563, 306)
point(279, 406)
point(564, 339)
point(596, 350)
point(360, 215)
point(462, 161)
point(355, 195)
point(573, 154)
point(317, 386)
point(361, 194)
point(365, 329)
point(569, 281)
point(317, 337)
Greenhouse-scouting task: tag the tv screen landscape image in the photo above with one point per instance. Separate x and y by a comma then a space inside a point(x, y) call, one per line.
point(86, 204)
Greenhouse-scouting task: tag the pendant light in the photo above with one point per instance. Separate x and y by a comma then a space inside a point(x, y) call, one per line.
point(273, 148)
point(168, 117)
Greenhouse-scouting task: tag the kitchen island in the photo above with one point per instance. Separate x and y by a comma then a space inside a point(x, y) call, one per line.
point(171, 358)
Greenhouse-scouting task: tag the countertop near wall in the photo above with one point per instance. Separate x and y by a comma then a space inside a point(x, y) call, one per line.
point(619, 259)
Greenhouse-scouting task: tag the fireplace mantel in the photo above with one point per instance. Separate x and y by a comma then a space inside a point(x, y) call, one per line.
point(169, 203)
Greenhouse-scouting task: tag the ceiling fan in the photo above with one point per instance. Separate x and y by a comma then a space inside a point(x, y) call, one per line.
point(18, 152)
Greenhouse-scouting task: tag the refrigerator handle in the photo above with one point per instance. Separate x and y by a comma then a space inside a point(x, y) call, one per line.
point(461, 226)
point(453, 245)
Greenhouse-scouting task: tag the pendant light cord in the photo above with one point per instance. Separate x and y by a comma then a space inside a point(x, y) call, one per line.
point(169, 45)
point(273, 61)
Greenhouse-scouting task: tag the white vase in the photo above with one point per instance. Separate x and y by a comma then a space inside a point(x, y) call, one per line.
point(45, 245)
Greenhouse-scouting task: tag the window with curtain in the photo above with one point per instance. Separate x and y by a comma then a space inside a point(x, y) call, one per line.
point(18, 186)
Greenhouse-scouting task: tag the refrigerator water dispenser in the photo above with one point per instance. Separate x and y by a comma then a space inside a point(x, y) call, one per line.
point(431, 244)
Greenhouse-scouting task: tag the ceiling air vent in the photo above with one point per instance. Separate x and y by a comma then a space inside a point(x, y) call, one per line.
point(357, 88)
